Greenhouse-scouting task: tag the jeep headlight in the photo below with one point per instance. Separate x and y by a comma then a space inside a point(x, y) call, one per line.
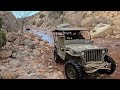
point(103, 51)
point(73, 52)
point(82, 53)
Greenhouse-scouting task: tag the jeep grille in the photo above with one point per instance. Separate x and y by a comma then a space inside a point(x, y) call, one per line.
point(93, 55)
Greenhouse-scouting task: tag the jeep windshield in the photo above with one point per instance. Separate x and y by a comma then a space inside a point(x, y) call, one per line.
point(73, 35)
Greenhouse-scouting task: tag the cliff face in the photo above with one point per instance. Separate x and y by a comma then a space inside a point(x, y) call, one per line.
point(10, 23)
point(49, 19)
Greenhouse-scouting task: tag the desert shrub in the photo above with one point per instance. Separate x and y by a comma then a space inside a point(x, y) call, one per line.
point(2, 39)
point(1, 22)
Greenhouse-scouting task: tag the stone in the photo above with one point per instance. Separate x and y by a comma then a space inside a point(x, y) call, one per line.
point(9, 75)
point(26, 58)
point(17, 41)
point(31, 57)
point(101, 30)
point(27, 36)
point(5, 54)
point(15, 62)
point(29, 43)
point(41, 76)
point(117, 36)
point(28, 77)
point(50, 67)
point(19, 56)
point(36, 52)
point(14, 54)
point(36, 41)
point(11, 36)
point(42, 42)
point(31, 70)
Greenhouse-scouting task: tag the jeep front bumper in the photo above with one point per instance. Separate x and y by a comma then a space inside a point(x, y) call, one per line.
point(93, 66)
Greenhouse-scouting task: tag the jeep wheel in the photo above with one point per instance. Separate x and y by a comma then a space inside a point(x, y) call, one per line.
point(56, 57)
point(73, 70)
point(112, 67)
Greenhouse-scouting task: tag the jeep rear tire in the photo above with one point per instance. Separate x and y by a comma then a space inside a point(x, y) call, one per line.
point(73, 70)
point(112, 68)
point(56, 57)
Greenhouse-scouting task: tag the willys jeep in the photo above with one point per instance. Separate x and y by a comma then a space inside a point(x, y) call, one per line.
point(74, 47)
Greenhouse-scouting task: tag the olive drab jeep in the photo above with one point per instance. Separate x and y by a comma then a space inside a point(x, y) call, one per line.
point(74, 47)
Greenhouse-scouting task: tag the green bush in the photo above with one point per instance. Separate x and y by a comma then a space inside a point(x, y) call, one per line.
point(2, 39)
point(1, 22)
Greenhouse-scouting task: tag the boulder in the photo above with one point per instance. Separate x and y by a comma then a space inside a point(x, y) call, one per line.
point(15, 62)
point(9, 75)
point(29, 43)
point(5, 54)
point(101, 30)
point(14, 55)
point(36, 41)
point(36, 52)
point(27, 36)
point(117, 36)
point(17, 41)
point(11, 36)
point(42, 42)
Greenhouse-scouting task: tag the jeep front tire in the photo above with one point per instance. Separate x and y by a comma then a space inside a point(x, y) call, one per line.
point(73, 70)
point(108, 59)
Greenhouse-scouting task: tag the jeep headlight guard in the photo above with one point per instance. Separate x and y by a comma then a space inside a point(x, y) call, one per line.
point(82, 53)
point(103, 51)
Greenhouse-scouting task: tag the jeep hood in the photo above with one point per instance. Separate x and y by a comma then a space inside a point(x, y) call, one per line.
point(79, 47)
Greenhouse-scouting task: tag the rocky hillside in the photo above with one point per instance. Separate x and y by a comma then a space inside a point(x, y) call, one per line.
point(31, 59)
point(49, 19)
point(10, 23)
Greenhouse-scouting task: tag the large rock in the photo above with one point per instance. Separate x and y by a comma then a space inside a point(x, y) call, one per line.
point(14, 55)
point(11, 36)
point(43, 42)
point(29, 43)
point(19, 55)
point(101, 30)
point(9, 75)
point(27, 36)
point(15, 62)
point(36, 41)
point(5, 54)
point(36, 52)
point(117, 36)
point(17, 41)
point(28, 77)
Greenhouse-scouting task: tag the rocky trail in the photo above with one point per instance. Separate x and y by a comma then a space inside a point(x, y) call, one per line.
point(33, 57)
point(31, 60)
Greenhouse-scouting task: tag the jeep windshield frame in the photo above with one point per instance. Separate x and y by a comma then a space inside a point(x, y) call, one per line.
point(60, 32)
point(65, 30)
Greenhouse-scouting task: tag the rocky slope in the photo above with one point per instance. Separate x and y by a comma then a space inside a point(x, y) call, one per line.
point(49, 19)
point(31, 59)
point(10, 23)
